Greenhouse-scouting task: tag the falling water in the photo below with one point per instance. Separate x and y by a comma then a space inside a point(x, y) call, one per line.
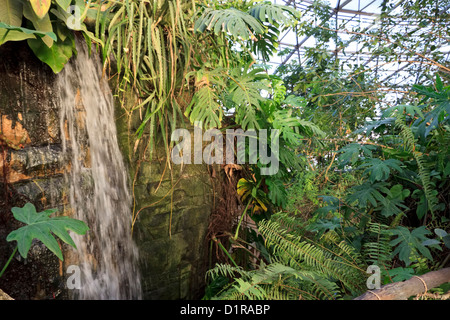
point(97, 178)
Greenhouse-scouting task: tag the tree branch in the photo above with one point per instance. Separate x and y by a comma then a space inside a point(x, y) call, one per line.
point(405, 289)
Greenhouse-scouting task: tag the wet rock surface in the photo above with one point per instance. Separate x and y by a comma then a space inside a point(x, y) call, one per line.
point(31, 167)
point(170, 234)
point(173, 208)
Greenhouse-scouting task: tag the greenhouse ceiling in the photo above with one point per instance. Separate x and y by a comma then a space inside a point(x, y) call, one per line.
point(408, 39)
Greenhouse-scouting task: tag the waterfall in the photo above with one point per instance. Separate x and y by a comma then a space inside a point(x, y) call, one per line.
point(97, 179)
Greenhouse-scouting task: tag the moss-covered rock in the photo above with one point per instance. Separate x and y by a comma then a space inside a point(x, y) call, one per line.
point(173, 206)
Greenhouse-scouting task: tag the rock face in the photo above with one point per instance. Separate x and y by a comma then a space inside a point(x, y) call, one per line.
point(31, 167)
point(172, 207)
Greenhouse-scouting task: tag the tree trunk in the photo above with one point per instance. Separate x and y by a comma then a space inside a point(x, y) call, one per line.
point(405, 289)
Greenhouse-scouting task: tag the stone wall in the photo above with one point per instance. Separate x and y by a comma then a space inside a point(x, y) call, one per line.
point(31, 167)
point(173, 207)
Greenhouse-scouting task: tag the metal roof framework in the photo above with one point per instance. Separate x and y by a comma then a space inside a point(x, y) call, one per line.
point(349, 15)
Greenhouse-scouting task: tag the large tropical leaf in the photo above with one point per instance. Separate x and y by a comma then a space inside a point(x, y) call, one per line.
point(56, 56)
point(13, 33)
point(393, 204)
point(274, 13)
point(64, 4)
point(353, 152)
point(245, 92)
point(205, 105)
point(368, 193)
point(40, 24)
point(40, 7)
point(39, 225)
point(410, 242)
point(274, 17)
point(379, 170)
point(232, 21)
point(11, 12)
point(277, 192)
point(440, 102)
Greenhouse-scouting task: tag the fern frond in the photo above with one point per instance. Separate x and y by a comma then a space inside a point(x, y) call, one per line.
point(331, 262)
point(424, 173)
point(377, 249)
point(301, 268)
point(277, 281)
point(225, 270)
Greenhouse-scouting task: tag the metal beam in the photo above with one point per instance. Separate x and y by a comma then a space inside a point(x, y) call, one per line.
point(297, 46)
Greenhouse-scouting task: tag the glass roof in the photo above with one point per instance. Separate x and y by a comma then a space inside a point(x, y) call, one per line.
point(353, 17)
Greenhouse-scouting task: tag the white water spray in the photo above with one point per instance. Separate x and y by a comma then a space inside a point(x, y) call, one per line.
point(97, 178)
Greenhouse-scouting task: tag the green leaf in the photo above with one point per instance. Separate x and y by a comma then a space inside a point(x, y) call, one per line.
point(277, 192)
point(11, 12)
point(40, 7)
point(393, 203)
point(380, 170)
point(39, 225)
point(397, 191)
point(422, 207)
point(368, 193)
point(13, 33)
point(439, 85)
point(245, 93)
point(431, 242)
point(408, 243)
point(7, 34)
point(55, 57)
point(353, 151)
point(392, 206)
point(232, 21)
point(40, 24)
point(295, 101)
point(402, 109)
point(446, 240)
point(440, 233)
point(64, 4)
point(447, 169)
point(274, 13)
point(323, 225)
point(401, 274)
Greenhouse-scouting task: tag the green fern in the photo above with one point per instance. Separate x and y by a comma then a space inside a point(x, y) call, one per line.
point(273, 281)
point(409, 142)
point(328, 268)
point(377, 249)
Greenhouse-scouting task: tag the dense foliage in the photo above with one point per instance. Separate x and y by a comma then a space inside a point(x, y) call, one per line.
point(376, 179)
point(363, 179)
